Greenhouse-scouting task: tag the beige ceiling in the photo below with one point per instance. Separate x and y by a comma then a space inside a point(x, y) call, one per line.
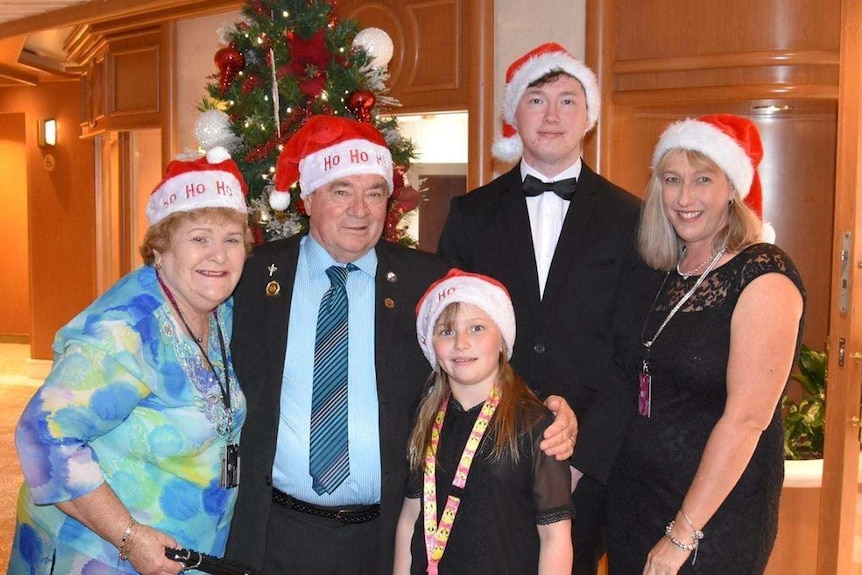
point(33, 32)
point(17, 9)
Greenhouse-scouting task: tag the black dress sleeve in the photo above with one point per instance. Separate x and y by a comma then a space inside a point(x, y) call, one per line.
point(552, 480)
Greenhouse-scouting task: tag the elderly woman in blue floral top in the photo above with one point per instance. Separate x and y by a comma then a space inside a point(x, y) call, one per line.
point(129, 446)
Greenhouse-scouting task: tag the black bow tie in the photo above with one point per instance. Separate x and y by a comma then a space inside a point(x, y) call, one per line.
point(563, 188)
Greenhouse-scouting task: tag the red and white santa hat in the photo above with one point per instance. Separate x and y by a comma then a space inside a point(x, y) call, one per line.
point(484, 292)
point(539, 61)
point(210, 181)
point(327, 148)
point(733, 143)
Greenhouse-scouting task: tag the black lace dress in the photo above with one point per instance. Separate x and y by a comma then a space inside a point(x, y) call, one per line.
point(661, 454)
point(494, 532)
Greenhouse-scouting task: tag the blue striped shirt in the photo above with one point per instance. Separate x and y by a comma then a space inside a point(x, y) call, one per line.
point(290, 469)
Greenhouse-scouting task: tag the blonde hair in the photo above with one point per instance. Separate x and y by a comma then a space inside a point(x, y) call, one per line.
point(657, 242)
point(516, 413)
point(158, 236)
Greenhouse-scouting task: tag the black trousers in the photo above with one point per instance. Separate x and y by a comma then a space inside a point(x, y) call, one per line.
point(589, 526)
point(302, 544)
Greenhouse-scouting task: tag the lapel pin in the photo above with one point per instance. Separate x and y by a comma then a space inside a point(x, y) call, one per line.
point(273, 288)
point(272, 269)
point(389, 303)
point(391, 277)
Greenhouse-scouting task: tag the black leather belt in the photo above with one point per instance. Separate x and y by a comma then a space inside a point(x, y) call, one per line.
point(345, 515)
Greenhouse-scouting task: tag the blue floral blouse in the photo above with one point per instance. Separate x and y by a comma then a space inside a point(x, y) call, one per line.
point(131, 402)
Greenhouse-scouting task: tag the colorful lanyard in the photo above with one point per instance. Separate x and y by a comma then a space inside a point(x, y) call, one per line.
point(436, 536)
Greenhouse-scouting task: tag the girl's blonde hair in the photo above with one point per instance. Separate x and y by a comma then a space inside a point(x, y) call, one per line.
point(657, 242)
point(518, 410)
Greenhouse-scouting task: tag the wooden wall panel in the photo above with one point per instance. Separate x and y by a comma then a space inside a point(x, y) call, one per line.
point(61, 209)
point(427, 71)
point(133, 68)
point(674, 28)
point(14, 265)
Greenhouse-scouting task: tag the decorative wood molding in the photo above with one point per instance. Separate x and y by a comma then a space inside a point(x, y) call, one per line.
point(18, 76)
point(663, 97)
point(728, 60)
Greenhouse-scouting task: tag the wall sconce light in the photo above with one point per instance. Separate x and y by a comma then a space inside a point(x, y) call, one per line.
point(48, 133)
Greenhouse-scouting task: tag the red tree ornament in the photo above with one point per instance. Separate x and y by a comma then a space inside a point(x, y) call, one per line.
point(360, 103)
point(229, 61)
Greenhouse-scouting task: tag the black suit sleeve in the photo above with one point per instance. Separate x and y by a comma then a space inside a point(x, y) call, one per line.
point(454, 240)
point(602, 428)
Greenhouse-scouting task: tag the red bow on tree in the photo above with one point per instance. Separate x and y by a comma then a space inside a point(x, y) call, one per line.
point(309, 60)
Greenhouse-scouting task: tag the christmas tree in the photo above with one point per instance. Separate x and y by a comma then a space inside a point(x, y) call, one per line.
point(284, 62)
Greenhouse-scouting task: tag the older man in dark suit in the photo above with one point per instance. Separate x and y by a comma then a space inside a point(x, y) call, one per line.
point(557, 235)
point(324, 345)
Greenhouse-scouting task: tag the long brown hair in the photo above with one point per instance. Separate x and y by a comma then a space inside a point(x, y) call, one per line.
point(518, 410)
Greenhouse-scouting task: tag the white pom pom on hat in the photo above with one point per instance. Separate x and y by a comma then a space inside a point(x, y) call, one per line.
point(527, 69)
point(733, 143)
point(327, 148)
point(484, 292)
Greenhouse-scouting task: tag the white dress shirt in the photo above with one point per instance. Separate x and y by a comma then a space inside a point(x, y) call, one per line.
point(547, 214)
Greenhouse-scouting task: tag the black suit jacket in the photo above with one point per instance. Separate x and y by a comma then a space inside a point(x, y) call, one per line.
point(258, 347)
point(564, 341)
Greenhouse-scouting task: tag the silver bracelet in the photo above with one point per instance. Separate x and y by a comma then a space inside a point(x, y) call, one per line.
point(696, 535)
point(695, 532)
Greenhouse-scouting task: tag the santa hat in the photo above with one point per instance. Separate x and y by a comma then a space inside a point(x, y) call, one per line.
point(327, 148)
point(538, 62)
point(210, 181)
point(733, 143)
point(484, 292)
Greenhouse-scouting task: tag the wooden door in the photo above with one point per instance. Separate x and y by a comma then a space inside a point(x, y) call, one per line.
point(838, 514)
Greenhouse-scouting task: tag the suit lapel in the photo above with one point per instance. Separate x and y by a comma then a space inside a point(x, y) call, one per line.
point(518, 228)
point(574, 234)
point(390, 304)
point(278, 309)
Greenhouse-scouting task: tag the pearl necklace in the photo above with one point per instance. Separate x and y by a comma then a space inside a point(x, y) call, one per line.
point(700, 268)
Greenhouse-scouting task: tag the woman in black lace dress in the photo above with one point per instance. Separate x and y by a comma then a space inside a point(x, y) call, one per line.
point(711, 335)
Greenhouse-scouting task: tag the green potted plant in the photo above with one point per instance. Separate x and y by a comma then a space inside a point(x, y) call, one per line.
point(804, 419)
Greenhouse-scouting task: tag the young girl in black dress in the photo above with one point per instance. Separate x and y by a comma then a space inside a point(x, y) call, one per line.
point(483, 498)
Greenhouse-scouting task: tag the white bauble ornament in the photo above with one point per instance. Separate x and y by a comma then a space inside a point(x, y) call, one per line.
point(378, 44)
point(212, 129)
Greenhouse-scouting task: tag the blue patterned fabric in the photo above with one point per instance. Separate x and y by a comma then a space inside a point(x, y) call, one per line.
point(130, 402)
point(329, 458)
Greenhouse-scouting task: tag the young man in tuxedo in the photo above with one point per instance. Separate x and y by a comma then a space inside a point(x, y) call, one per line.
point(557, 235)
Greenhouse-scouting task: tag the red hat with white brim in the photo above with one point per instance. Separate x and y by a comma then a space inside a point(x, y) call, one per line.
point(327, 148)
point(458, 286)
point(210, 181)
point(733, 143)
point(538, 62)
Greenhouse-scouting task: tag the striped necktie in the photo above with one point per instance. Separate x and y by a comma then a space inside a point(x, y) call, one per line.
point(329, 460)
